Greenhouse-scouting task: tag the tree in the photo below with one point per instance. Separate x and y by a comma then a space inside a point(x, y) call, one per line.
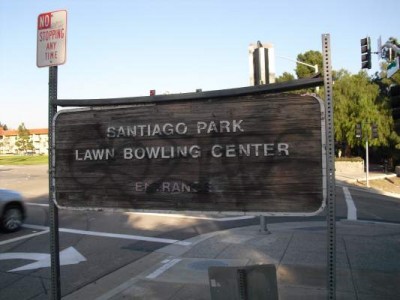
point(285, 77)
point(4, 126)
point(358, 101)
point(24, 142)
point(384, 83)
point(310, 57)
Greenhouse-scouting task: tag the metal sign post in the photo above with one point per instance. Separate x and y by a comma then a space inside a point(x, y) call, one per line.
point(330, 158)
point(53, 210)
point(51, 52)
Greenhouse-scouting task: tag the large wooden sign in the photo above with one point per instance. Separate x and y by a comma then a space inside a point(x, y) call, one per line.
point(260, 154)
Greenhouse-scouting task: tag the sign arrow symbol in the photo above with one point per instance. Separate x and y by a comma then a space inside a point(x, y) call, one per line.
point(69, 256)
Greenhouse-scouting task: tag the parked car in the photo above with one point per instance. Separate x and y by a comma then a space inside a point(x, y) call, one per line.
point(12, 210)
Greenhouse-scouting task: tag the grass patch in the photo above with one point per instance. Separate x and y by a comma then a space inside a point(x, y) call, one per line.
point(24, 159)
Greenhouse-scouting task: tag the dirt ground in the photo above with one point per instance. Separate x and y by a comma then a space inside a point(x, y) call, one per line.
point(389, 184)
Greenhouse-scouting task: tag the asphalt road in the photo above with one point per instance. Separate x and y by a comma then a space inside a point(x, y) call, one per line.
point(374, 207)
point(94, 243)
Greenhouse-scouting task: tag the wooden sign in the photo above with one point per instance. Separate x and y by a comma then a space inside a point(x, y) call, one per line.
point(255, 154)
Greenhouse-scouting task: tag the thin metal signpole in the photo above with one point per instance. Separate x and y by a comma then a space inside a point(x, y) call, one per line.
point(330, 158)
point(53, 210)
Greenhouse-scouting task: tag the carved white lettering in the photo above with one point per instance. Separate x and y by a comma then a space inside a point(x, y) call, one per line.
point(219, 126)
point(240, 150)
point(283, 149)
point(162, 187)
point(141, 130)
point(94, 154)
point(165, 152)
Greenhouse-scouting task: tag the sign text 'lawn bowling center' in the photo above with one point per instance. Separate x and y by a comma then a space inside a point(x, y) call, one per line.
point(257, 153)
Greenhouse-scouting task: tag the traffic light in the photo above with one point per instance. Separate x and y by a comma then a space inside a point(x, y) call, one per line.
point(366, 53)
point(152, 92)
point(358, 131)
point(374, 129)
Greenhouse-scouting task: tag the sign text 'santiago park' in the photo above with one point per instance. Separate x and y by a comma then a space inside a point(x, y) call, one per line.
point(259, 153)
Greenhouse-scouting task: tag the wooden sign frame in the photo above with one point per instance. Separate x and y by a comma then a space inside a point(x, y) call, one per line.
point(258, 154)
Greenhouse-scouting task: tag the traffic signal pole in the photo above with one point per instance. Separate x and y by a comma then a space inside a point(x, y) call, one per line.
point(375, 135)
point(367, 162)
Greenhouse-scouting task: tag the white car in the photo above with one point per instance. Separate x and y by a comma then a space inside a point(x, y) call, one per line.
point(12, 210)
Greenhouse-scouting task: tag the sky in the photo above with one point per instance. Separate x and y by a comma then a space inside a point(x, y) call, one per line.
point(127, 48)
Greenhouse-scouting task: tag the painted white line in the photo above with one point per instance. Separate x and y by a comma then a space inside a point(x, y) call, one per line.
point(163, 268)
point(115, 235)
point(193, 217)
point(24, 237)
point(37, 204)
point(351, 208)
point(131, 282)
point(175, 215)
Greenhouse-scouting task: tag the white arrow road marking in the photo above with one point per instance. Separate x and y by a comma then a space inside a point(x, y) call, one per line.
point(69, 256)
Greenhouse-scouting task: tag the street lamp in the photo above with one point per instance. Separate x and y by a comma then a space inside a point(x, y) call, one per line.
point(305, 64)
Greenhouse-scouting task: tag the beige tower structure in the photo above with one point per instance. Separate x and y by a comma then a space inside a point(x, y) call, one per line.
point(261, 63)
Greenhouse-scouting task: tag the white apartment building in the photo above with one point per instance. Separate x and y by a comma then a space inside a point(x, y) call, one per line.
point(39, 137)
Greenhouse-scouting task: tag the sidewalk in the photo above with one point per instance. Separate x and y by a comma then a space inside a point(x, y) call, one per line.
point(352, 178)
point(356, 175)
point(367, 263)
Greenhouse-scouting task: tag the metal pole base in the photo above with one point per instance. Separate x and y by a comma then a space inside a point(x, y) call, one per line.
point(264, 225)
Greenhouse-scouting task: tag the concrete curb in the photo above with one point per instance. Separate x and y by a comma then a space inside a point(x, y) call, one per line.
point(135, 277)
point(351, 180)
